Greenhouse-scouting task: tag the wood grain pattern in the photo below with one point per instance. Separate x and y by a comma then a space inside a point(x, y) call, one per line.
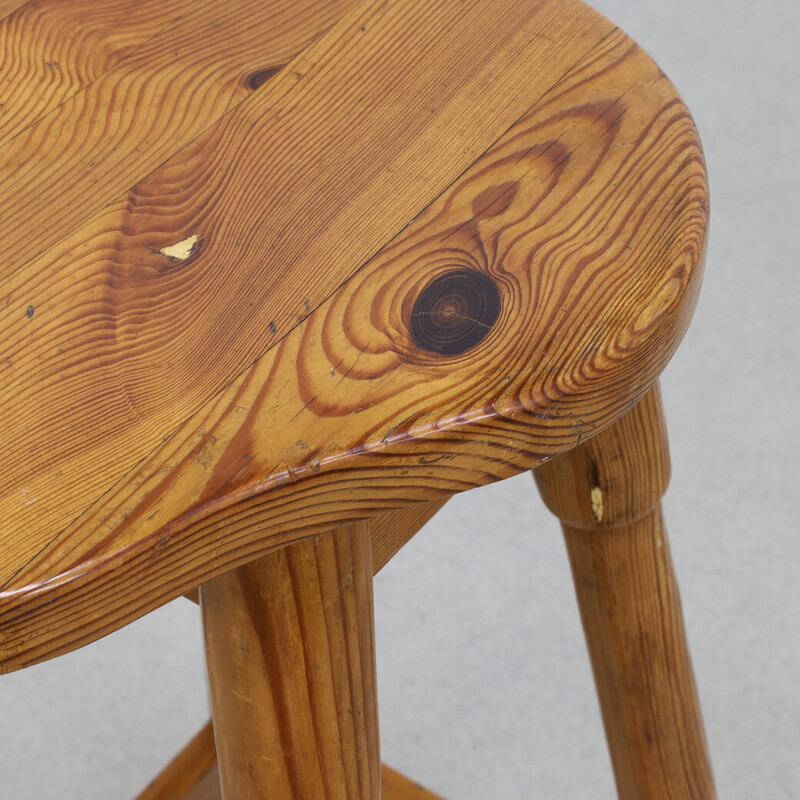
point(163, 449)
point(63, 168)
point(291, 659)
point(609, 502)
point(125, 343)
point(394, 786)
point(626, 469)
point(388, 533)
point(8, 7)
point(51, 50)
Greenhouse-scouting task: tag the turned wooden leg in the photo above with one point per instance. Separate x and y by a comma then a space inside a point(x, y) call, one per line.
point(607, 494)
point(291, 661)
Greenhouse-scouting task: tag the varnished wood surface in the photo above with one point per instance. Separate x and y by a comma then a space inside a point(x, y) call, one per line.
point(71, 163)
point(291, 659)
point(388, 533)
point(212, 354)
point(52, 51)
point(607, 492)
point(394, 786)
point(614, 478)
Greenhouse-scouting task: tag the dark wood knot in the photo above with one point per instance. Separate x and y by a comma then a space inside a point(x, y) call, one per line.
point(454, 312)
point(259, 78)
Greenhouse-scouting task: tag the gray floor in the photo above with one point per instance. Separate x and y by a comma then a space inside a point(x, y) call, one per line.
point(485, 687)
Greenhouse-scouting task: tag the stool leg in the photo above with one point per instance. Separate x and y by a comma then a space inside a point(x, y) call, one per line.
point(607, 493)
point(291, 660)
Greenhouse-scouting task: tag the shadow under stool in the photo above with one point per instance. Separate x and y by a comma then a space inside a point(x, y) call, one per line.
point(279, 278)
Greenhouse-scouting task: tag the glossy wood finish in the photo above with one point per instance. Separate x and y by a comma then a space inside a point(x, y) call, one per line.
point(274, 272)
point(134, 84)
point(291, 659)
point(607, 492)
point(337, 366)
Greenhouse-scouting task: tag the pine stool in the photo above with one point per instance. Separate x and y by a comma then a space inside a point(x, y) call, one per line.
point(278, 278)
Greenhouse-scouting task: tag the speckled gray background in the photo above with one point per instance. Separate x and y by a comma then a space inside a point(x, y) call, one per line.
point(485, 687)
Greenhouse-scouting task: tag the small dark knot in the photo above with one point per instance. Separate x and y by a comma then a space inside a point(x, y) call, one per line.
point(454, 312)
point(259, 78)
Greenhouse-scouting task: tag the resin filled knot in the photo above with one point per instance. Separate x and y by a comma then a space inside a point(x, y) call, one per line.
point(454, 312)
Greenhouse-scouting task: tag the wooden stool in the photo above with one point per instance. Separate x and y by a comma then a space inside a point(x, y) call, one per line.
point(279, 277)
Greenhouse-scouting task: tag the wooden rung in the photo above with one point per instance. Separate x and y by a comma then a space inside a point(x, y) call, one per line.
point(207, 788)
point(395, 786)
point(185, 776)
point(193, 775)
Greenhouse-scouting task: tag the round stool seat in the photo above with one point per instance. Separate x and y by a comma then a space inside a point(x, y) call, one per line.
point(269, 272)
point(281, 276)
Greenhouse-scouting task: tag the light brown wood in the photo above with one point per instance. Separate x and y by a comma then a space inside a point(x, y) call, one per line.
point(607, 492)
point(291, 659)
point(187, 775)
point(397, 787)
point(394, 786)
point(116, 372)
point(160, 77)
point(8, 7)
point(535, 150)
point(206, 788)
point(388, 533)
point(614, 478)
point(193, 595)
point(52, 50)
